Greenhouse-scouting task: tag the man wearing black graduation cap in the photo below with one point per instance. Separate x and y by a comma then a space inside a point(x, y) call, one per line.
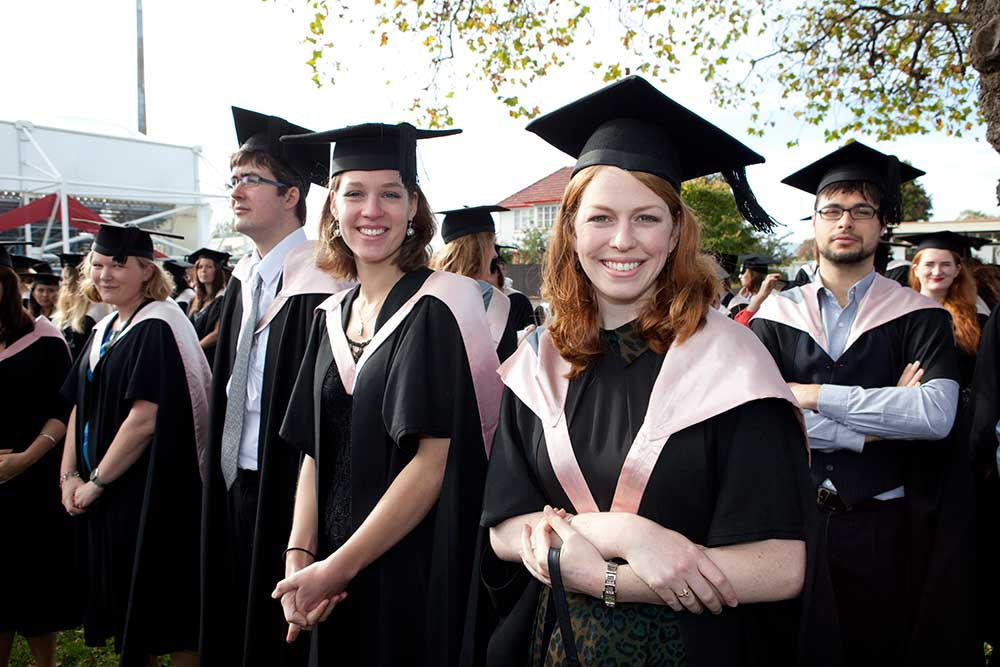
point(266, 313)
point(874, 368)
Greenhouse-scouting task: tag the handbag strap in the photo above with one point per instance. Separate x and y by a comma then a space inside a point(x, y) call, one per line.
point(558, 597)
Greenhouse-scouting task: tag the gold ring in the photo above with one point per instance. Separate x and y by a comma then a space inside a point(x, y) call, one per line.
point(684, 593)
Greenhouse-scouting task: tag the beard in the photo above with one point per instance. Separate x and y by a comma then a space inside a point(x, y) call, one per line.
point(847, 256)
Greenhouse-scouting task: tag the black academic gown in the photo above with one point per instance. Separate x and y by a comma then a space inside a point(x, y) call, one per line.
point(77, 340)
point(141, 540)
point(935, 473)
point(522, 313)
point(717, 482)
point(983, 414)
point(408, 607)
point(42, 592)
point(204, 322)
point(241, 627)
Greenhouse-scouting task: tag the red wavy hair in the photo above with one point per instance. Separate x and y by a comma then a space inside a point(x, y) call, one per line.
point(960, 301)
point(683, 291)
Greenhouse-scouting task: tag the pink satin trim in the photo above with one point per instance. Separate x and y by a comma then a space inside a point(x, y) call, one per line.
point(300, 276)
point(496, 315)
point(196, 370)
point(463, 298)
point(720, 367)
point(804, 316)
point(43, 329)
point(885, 300)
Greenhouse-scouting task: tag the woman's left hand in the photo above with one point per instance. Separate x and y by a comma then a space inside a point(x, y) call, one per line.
point(86, 494)
point(322, 582)
point(11, 464)
point(580, 563)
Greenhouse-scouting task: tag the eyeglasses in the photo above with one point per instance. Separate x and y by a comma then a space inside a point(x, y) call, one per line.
point(834, 212)
point(250, 180)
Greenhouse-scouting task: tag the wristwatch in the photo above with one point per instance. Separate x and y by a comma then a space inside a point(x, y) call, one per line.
point(95, 478)
point(610, 580)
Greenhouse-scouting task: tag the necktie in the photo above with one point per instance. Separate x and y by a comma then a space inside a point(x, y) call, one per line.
point(232, 429)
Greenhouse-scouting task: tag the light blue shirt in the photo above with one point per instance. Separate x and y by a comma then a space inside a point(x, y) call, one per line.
point(846, 414)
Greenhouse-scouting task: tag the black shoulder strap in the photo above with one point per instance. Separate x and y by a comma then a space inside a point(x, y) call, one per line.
point(558, 597)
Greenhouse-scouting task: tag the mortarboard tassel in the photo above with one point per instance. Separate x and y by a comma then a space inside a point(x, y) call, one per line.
point(746, 202)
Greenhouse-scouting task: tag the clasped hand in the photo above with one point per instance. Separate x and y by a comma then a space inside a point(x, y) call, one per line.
point(678, 571)
point(309, 593)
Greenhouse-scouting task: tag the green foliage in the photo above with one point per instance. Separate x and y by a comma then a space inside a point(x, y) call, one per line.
point(70, 652)
point(917, 204)
point(970, 214)
point(722, 226)
point(885, 67)
point(531, 246)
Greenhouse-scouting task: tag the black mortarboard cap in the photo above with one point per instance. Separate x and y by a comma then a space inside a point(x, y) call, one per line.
point(372, 146)
point(71, 259)
point(260, 132)
point(727, 261)
point(44, 275)
point(7, 259)
point(461, 222)
point(946, 240)
point(121, 241)
point(220, 258)
point(632, 125)
point(857, 162)
point(755, 263)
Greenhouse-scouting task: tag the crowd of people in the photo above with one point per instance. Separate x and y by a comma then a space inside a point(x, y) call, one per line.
point(349, 452)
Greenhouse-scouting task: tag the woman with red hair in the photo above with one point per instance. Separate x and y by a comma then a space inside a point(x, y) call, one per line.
point(938, 271)
point(659, 428)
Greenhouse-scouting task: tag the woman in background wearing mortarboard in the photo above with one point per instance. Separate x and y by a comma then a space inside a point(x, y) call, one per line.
point(40, 595)
point(642, 412)
point(470, 250)
point(44, 291)
point(75, 314)
point(206, 307)
point(130, 466)
point(939, 271)
point(394, 407)
point(179, 271)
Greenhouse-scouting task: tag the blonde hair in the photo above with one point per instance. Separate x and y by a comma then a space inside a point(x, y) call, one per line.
point(159, 286)
point(466, 255)
point(72, 304)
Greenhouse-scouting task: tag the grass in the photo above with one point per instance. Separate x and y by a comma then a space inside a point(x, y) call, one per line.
point(71, 652)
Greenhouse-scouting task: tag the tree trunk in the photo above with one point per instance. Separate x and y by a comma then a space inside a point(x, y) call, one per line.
point(984, 54)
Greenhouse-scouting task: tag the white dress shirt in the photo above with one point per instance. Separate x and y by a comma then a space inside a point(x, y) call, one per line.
point(269, 269)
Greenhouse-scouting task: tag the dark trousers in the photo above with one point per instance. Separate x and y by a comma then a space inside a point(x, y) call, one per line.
point(241, 517)
point(869, 567)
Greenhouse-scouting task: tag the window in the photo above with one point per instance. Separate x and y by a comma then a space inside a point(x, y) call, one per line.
point(545, 216)
point(522, 218)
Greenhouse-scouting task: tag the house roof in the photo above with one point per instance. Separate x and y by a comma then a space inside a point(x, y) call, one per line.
point(548, 190)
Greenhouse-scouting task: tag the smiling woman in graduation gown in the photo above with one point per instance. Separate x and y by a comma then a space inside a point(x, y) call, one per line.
point(659, 424)
point(394, 407)
point(131, 461)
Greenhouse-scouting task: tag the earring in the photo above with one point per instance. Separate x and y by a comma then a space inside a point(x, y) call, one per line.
point(336, 229)
point(410, 231)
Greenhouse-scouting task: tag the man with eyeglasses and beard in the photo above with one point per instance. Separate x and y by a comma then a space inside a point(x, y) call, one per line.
point(874, 368)
point(249, 473)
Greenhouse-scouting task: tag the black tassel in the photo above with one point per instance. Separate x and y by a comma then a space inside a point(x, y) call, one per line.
point(892, 203)
point(747, 203)
point(408, 154)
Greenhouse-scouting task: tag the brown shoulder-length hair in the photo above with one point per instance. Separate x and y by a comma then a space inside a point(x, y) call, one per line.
point(334, 257)
point(467, 255)
point(682, 295)
point(960, 301)
point(15, 321)
point(204, 293)
point(158, 287)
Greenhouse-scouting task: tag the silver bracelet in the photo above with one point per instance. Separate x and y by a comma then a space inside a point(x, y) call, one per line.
point(610, 584)
point(46, 435)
